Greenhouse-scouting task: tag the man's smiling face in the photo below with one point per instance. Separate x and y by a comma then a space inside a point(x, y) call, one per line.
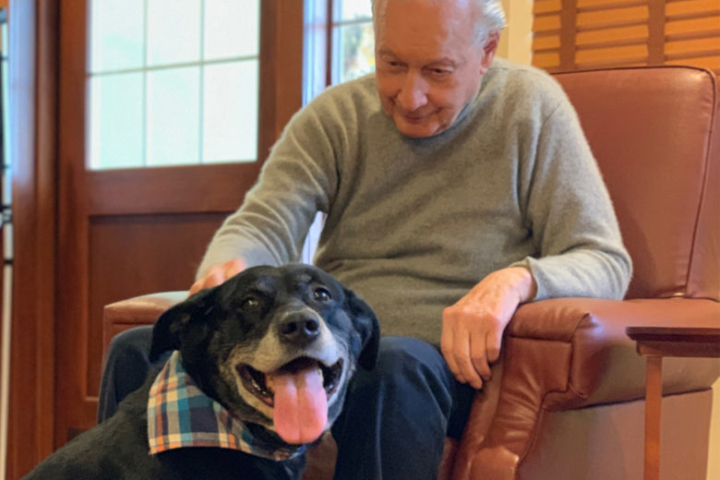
point(429, 64)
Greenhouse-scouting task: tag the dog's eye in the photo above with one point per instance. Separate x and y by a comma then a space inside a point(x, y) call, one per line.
point(322, 295)
point(250, 303)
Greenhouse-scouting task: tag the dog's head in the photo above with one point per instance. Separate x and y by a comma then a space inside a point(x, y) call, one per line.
point(275, 346)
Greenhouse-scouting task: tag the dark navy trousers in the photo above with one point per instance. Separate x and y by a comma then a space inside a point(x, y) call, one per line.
point(394, 421)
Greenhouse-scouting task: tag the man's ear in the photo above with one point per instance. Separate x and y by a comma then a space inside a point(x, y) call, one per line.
point(489, 50)
point(367, 324)
point(174, 322)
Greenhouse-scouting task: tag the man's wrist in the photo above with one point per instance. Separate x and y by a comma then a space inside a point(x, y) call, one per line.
point(525, 284)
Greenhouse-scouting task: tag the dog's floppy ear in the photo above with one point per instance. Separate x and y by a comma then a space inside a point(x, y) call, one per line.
point(367, 324)
point(169, 328)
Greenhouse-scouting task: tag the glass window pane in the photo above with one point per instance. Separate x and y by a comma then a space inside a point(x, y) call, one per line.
point(352, 9)
point(174, 108)
point(173, 31)
point(4, 45)
point(231, 112)
point(173, 120)
point(116, 121)
point(232, 28)
point(116, 33)
point(354, 47)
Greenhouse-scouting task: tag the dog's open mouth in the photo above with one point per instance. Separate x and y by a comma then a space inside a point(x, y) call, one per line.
point(261, 384)
point(298, 392)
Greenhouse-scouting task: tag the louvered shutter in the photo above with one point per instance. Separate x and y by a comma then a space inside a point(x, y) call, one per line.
point(583, 34)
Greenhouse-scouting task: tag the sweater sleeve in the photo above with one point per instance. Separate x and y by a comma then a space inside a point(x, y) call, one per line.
point(298, 179)
point(571, 217)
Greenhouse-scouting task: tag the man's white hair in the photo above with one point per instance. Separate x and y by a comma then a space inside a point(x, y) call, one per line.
point(489, 18)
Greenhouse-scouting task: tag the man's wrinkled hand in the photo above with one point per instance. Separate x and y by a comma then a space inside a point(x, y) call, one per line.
point(473, 328)
point(218, 274)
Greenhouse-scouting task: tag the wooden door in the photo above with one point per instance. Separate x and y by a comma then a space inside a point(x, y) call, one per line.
point(128, 232)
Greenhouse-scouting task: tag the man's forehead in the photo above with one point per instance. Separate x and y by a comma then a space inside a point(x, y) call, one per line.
point(434, 60)
point(380, 6)
point(437, 30)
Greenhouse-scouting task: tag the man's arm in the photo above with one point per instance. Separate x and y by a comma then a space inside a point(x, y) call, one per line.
point(571, 217)
point(580, 250)
point(298, 179)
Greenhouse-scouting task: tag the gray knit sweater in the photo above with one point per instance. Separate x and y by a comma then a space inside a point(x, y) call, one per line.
point(413, 224)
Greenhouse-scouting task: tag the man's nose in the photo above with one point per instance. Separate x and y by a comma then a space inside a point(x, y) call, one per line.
point(413, 92)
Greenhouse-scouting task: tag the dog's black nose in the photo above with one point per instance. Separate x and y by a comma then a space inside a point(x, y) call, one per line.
point(299, 329)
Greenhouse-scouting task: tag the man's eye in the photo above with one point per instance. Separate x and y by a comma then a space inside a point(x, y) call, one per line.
point(322, 295)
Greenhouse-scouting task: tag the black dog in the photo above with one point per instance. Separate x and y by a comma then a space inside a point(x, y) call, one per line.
point(274, 347)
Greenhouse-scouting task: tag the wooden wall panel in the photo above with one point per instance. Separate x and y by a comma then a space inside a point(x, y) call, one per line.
point(188, 189)
point(585, 34)
point(612, 17)
point(133, 255)
point(616, 36)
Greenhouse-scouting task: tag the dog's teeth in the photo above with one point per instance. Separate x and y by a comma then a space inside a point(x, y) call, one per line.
point(256, 384)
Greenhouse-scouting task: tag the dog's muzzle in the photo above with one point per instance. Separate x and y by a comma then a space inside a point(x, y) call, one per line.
point(261, 384)
point(299, 394)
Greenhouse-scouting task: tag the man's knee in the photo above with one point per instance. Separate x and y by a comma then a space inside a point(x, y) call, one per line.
point(127, 359)
point(125, 368)
point(132, 344)
point(137, 339)
point(405, 359)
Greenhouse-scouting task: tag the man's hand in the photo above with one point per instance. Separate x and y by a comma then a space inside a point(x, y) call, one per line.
point(218, 274)
point(473, 328)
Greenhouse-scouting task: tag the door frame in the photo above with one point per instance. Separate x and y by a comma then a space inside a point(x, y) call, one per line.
point(33, 40)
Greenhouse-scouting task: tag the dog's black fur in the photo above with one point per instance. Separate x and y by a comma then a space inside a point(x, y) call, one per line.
point(206, 328)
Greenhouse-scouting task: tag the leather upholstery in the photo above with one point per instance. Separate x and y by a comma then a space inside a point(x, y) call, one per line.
point(656, 135)
point(652, 131)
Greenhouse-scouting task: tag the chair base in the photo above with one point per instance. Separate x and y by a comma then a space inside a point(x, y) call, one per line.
point(603, 442)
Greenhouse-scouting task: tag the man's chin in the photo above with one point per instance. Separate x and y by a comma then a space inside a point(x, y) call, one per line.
point(417, 129)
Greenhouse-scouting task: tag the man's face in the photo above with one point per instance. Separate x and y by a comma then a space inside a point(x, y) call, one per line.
point(428, 64)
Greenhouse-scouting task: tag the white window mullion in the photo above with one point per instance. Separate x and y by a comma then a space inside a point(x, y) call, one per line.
point(201, 96)
point(145, 87)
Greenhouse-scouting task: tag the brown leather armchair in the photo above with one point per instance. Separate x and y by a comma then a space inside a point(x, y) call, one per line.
point(566, 401)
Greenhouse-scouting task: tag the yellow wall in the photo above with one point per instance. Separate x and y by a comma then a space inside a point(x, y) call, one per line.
point(516, 40)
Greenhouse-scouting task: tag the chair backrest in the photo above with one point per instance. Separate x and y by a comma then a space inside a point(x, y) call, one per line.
point(655, 132)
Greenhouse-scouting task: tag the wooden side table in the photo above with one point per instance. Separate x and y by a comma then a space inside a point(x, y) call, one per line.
point(656, 343)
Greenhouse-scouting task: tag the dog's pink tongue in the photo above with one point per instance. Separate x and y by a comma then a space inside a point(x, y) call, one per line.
point(300, 405)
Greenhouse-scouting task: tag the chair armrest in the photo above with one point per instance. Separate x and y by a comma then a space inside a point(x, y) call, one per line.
point(569, 353)
point(600, 362)
point(136, 311)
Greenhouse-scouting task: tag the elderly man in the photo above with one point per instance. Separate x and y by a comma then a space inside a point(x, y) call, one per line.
point(456, 186)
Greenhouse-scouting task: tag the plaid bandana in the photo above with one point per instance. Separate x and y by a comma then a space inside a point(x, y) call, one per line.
point(180, 415)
